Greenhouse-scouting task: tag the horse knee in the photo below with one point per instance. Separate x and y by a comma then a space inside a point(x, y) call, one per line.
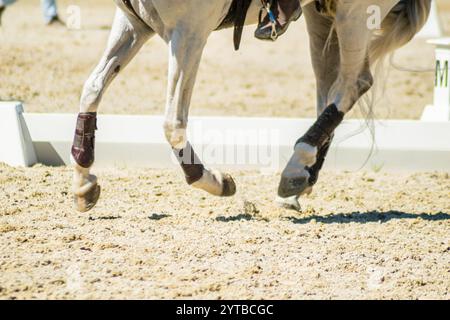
point(175, 134)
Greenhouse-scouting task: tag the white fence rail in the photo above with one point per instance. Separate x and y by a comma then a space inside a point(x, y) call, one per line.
point(244, 143)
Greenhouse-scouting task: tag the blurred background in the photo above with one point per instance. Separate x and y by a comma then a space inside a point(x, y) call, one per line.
point(46, 66)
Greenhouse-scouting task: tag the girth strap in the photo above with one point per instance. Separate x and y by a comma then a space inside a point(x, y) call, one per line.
point(236, 18)
point(242, 9)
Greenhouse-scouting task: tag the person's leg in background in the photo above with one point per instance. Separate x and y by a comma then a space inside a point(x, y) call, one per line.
point(50, 12)
point(3, 4)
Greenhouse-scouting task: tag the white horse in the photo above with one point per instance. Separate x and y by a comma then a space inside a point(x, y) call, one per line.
point(343, 49)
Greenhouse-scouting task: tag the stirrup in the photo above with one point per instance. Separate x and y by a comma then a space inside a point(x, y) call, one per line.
point(267, 7)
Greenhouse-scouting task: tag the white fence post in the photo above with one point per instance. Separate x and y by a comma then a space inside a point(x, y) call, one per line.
point(440, 111)
point(16, 146)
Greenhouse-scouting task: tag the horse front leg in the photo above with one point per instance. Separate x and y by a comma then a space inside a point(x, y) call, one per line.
point(352, 80)
point(324, 49)
point(186, 49)
point(126, 38)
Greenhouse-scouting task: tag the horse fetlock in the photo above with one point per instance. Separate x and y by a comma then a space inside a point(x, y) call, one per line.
point(178, 139)
point(83, 182)
point(176, 135)
point(216, 183)
point(305, 154)
point(85, 188)
point(315, 169)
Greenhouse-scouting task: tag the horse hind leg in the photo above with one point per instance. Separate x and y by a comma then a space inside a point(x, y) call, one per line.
point(186, 47)
point(325, 59)
point(353, 80)
point(126, 38)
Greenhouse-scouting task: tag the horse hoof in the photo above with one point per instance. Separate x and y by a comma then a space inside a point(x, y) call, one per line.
point(293, 186)
point(88, 200)
point(290, 203)
point(228, 186)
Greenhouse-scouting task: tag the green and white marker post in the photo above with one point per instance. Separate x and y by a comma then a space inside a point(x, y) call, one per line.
point(440, 110)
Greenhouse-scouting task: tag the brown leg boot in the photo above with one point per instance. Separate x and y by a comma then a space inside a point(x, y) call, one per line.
point(284, 12)
point(84, 140)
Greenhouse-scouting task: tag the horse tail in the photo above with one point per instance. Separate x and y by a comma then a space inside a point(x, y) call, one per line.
point(403, 22)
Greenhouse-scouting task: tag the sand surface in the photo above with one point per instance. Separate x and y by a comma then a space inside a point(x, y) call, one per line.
point(360, 235)
point(46, 68)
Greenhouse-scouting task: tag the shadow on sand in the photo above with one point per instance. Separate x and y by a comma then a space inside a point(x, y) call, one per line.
point(239, 217)
point(157, 216)
point(371, 216)
point(91, 218)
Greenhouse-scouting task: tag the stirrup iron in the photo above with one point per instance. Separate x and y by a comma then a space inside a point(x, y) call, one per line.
point(267, 7)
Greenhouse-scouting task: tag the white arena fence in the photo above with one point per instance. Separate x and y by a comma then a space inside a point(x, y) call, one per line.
point(241, 143)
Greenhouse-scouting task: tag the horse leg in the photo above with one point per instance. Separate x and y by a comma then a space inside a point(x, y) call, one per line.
point(126, 38)
point(324, 48)
point(353, 80)
point(186, 47)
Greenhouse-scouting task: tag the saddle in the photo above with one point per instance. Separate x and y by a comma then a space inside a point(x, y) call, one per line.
point(238, 13)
